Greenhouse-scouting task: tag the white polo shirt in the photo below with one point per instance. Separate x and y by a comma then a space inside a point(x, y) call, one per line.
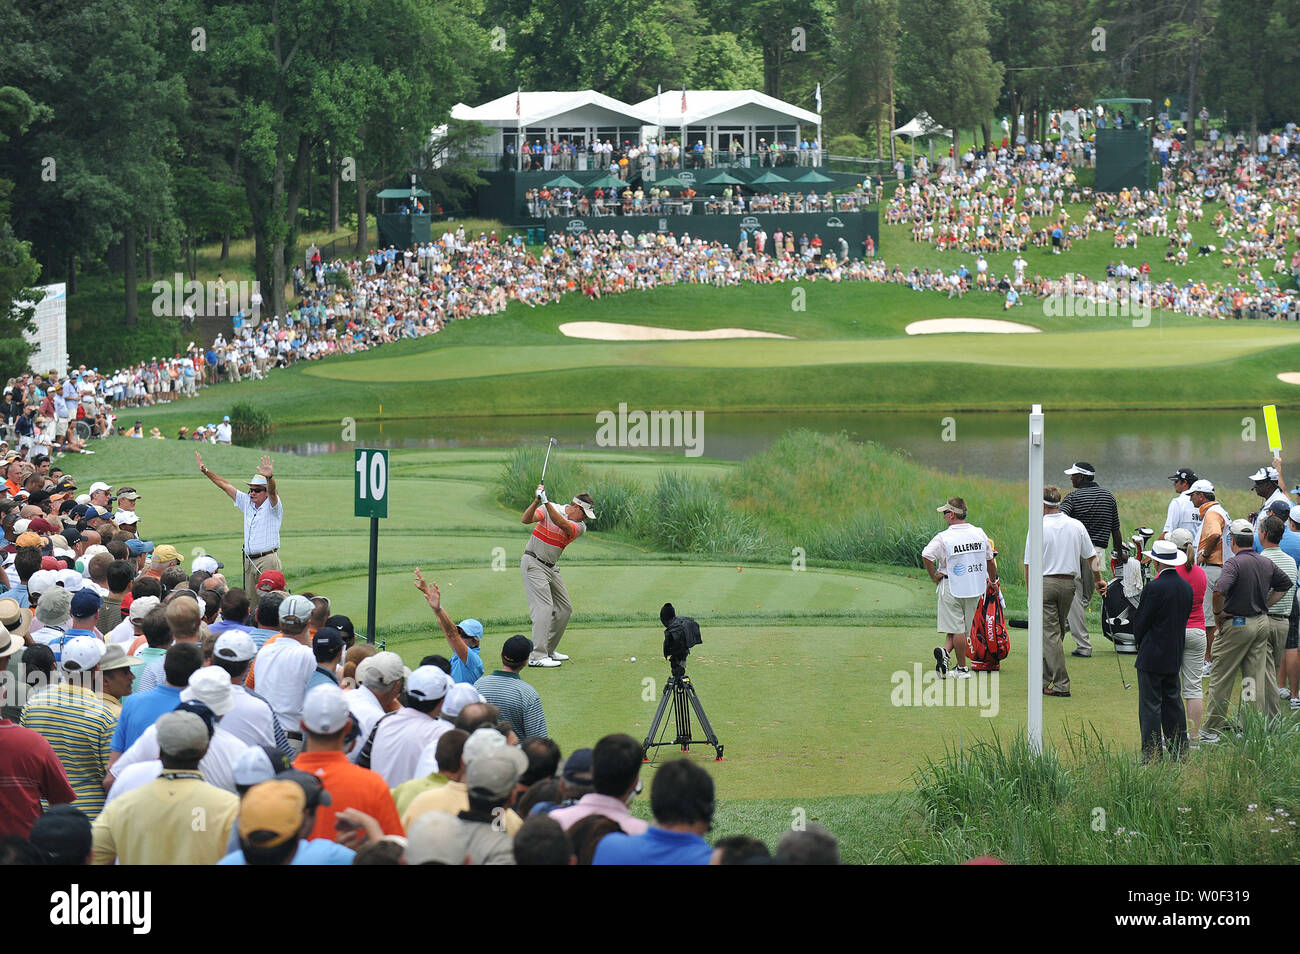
point(252, 720)
point(1065, 545)
point(961, 551)
point(283, 668)
point(261, 524)
point(217, 766)
point(365, 708)
point(1183, 513)
point(400, 741)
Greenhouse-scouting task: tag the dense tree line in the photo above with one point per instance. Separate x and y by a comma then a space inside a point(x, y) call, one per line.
point(134, 131)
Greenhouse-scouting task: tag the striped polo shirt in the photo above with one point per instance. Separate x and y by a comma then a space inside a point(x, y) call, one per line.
point(517, 700)
point(548, 540)
point(1286, 563)
point(1096, 509)
point(79, 727)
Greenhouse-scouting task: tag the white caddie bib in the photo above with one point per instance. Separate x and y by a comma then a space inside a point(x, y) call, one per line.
point(968, 553)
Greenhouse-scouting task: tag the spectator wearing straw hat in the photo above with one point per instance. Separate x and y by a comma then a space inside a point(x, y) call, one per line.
point(263, 512)
point(1160, 630)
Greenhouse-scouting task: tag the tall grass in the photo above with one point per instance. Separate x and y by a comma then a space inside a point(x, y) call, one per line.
point(1094, 804)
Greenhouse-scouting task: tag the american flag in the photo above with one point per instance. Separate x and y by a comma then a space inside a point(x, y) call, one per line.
point(518, 97)
point(683, 100)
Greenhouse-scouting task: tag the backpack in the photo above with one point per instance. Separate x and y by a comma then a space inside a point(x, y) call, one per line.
point(988, 643)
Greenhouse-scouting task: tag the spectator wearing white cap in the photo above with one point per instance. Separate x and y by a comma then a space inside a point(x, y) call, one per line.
point(458, 696)
point(118, 672)
point(285, 665)
point(155, 824)
point(1265, 482)
point(211, 687)
point(131, 634)
point(251, 718)
point(263, 512)
point(1182, 512)
point(77, 723)
point(381, 678)
point(394, 745)
point(325, 724)
point(1160, 631)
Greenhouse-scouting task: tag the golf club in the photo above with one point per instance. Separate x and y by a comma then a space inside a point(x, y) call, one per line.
point(1121, 672)
point(550, 442)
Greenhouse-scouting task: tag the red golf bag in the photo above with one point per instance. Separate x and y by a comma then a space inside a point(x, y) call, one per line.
point(988, 643)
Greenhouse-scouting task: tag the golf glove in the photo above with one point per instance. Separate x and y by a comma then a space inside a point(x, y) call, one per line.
point(541, 494)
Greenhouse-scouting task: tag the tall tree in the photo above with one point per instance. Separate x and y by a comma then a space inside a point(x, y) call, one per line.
point(18, 270)
point(945, 60)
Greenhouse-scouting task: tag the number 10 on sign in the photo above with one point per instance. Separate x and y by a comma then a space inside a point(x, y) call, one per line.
point(371, 483)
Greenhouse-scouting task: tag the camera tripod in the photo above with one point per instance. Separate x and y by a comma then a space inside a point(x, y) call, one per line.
point(679, 693)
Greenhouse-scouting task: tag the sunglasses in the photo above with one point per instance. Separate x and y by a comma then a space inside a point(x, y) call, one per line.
point(257, 490)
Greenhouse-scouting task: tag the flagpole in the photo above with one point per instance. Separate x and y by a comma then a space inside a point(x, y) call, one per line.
point(821, 143)
point(519, 131)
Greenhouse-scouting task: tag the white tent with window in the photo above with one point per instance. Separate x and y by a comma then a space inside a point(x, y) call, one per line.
point(922, 125)
point(553, 116)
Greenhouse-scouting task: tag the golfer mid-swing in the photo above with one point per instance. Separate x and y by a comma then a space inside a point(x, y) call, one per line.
point(548, 600)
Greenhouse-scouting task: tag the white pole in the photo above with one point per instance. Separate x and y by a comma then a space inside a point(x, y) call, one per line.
point(1035, 555)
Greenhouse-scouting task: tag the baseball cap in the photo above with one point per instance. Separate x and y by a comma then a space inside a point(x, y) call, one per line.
point(99, 485)
point(63, 835)
point(1264, 473)
point(1201, 486)
point(458, 697)
point(142, 606)
point(65, 484)
point(296, 609)
point(94, 513)
point(517, 650)
point(85, 602)
point(41, 525)
point(20, 526)
point(211, 686)
point(1082, 467)
point(271, 813)
point(29, 539)
point(343, 624)
point(82, 653)
point(54, 606)
point(328, 640)
point(53, 563)
point(313, 788)
point(428, 683)
point(166, 553)
point(205, 563)
point(259, 763)
point(482, 743)
point(1181, 537)
point(325, 710)
point(139, 547)
point(126, 518)
point(1281, 508)
point(577, 767)
point(470, 629)
point(182, 733)
point(1295, 516)
point(270, 581)
point(495, 776)
point(435, 838)
point(234, 645)
point(1241, 525)
point(1185, 474)
point(381, 672)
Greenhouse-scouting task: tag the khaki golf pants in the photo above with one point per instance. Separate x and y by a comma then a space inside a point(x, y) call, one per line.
point(255, 568)
point(548, 604)
point(1238, 647)
point(1277, 626)
point(1058, 593)
point(1078, 617)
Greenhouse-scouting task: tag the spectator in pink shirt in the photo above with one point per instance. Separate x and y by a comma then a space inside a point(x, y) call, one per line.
point(616, 770)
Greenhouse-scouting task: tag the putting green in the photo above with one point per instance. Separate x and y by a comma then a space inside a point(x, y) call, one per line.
point(1128, 348)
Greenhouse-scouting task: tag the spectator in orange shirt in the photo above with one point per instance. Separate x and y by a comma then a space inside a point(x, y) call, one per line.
point(325, 722)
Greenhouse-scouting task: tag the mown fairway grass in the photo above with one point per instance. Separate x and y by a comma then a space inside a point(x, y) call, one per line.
point(851, 354)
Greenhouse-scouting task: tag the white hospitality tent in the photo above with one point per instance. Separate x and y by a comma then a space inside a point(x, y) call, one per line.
point(922, 125)
point(719, 117)
point(581, 116)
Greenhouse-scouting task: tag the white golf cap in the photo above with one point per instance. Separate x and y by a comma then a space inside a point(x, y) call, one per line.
point(1265, 473)
point(1241, 525)
point(205, 563)
point(382, 671)
point(83, 499)
point(20, 526)
point(458, 697)
point(126, 518)
point(325, 710)
point(41, 581)
point(82, 653)
point(1201, 486)
point(1166, 552)
point(1295, 514)
point(99, 485)
point(142, 607)
point(210, 686)
point(70, 580)
point(1181, 537)
point(234, 645)
point(484, 741)
point(435, 837)
point(428, 684)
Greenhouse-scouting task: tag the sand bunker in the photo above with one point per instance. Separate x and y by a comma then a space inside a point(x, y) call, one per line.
point(613, 331)
point(940, 326)
point(1289, 377)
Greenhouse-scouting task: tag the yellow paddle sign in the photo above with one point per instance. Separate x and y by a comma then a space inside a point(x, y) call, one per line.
point(1274, 433)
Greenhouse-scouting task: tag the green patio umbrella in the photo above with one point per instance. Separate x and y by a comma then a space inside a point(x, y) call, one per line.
point(814, 177)
point(770, 178)
point(724, 179)
point(563, 182)
point(607, 182)
point(671, 182)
